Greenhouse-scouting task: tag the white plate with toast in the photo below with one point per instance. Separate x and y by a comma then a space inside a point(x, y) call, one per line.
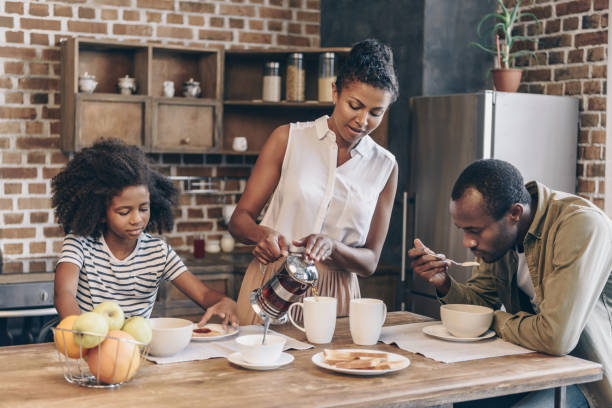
point(360, 361)
point(212, 331)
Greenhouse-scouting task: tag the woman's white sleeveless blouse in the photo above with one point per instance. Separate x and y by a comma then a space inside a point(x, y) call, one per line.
point(315, 196)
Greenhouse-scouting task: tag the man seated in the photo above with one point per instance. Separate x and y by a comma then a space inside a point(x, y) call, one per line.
point(546, 256)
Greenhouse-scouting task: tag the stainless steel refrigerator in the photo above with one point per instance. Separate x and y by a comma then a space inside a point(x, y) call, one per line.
point(536, 133)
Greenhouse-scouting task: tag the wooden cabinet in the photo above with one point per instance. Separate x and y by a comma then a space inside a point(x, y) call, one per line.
point(146, 118)
point(230, 104)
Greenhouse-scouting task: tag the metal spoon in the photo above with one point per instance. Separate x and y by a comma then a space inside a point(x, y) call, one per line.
point(443, 257)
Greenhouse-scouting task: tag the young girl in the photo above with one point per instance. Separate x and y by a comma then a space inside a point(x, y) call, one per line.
point(331, 187)
point(106, 199)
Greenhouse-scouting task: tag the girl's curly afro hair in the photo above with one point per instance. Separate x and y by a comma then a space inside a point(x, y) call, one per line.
point(83, 190)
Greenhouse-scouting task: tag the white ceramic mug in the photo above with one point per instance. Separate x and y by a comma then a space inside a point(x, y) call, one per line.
point(366, 318)
point(319, 318)
point(239, 144)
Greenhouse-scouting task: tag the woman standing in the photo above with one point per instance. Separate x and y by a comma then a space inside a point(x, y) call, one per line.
point(331, 186)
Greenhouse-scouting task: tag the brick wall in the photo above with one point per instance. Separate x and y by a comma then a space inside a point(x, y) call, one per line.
point(29, 101)
point(572, 55)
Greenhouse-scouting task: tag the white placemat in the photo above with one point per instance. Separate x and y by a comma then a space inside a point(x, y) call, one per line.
point(223, 348)
point(410, 337)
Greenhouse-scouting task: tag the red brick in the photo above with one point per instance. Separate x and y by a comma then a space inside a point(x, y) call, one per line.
point(53, 232)
point(173, 18)
point(156, 4)
point(31, 143)
point(596, 54)
point(6, 83)
point(215, 35)
point(313, 4)
point(11, 158)
point(196, 20)
point(196, 7)
point(274, 25)
point(50, 113)
point(36, 158)
point(87, 27)
point(293, 40)
point(296, 3)
point(597, 103)
point(39, 39)
point(37, 188)
point(33, 203)
point(39, 68)
point(236, 23)
point(598, 137)
point(554, 89)
point(62, 11)
point(14, 97)
point(136, 30)
point(191, 226)
point(570, 23)
point(34, 127)
point(15, 233)
point(6, 22)
point(197, 213)
point(40, 24)
point(552, 26)
point(38, 247)
point(277, 3)
point(9, 127)
point(268, 12)
point(131, 15)
point(17, 113)
point(309, 16)
point(6, 204)
point(13, 218)
point(14, 37)
point(17, 172)
point(596, 38)
point(294, 28)
point(599, 71)
point(256, 25)
point(589, 120)
point(49, 173)
point(17, 53)
point(575, 56)
point(87, 12)
point(237, 11)
point(118, 3)
point(39, 10)
point(254, 38)
point(153, 17)
point(592, 87)
point(583, 138)
point(174, 32)
point(556, 41)
point(573, 7)
point(109, 14)
point(12, 249)
point(39, 83)
point(581, 71)
point(13, 7)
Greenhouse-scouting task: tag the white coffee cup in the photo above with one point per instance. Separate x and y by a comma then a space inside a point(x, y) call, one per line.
point(366, 318)
point(239, 144)
point(319, 318)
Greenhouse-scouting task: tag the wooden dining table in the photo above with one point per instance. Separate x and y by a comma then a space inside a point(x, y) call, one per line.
point(32, 376)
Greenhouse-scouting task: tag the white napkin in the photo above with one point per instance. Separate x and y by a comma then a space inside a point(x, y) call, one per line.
point(410, 337)
point(202, 350)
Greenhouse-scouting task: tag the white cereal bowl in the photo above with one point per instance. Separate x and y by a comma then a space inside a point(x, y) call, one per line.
point(253, 352)
point(466, 320)
point(170, 335)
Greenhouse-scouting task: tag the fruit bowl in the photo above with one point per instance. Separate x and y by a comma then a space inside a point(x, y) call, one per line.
point(113, 362)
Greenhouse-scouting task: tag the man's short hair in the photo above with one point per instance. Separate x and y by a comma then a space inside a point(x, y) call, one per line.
point(499, 182)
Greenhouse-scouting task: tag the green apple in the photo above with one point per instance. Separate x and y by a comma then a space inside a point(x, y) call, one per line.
point(139, 328)
point(91, 329)
point(112, 311)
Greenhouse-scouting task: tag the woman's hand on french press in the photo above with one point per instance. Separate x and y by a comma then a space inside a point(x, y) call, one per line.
point(319, 247)
point(272, 246)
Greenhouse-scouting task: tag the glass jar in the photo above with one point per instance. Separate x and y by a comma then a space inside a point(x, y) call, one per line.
point(295, 77)
point(271, 82)
point(327, 76)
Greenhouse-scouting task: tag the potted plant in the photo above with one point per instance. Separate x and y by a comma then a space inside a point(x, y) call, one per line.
point(500, 40)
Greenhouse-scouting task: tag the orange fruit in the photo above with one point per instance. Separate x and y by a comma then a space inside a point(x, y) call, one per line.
point(114, 361)
point(64, 339)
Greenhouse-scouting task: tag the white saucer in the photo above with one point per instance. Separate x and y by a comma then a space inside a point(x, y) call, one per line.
point(236, 358)
point(439, 331)
point(319, 360)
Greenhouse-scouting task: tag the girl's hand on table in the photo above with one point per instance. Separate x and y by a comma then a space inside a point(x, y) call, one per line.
point(319, 247)
point(226, 309)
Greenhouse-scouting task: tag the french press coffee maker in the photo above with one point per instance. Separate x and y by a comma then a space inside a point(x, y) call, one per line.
point(296, 275)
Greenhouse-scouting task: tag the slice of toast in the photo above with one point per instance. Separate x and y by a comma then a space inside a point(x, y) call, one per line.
point(388, 365)
point(362, 363)
point(336, 355)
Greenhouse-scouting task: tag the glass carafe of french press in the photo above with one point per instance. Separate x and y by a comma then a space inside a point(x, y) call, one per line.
point(295, 276)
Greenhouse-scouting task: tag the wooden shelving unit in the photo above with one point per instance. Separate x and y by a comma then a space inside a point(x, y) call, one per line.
point(230, 104)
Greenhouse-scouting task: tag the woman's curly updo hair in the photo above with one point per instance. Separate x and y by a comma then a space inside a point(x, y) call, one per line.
point(370, 62)
point(83, 190)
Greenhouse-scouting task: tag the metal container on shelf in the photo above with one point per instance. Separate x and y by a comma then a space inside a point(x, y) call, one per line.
point(327, 76)
point(271, 82)
point(296, 77)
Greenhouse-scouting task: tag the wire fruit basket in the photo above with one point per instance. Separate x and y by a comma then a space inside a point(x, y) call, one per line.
point(113, 362)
